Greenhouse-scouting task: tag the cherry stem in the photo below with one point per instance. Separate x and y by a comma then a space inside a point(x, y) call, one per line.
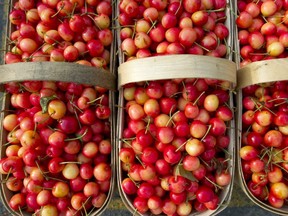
point(43, 158)
point(70, 162)
point(83, 206)
point(52, 46)
point(56, 179)
point(265, 152)
point(40, 47)
point(38, 56)
point(147, 126)
point(270, 110)
point(77, 138)
point(20, 211)
point(182, 145)
point(226, 152)
point(221, 18)
point(99, 98)
point(257, 53)
point(94, 21)
point(40, 170)
point(140, 161)
point(185, 90)
point(8, 143)
point(90, 212)
point(208, 130)
point(216, 10)
point(137, 185)
point(77, 117)
point(204, 162)
point(227, 88)
point(198, 98)
point(229, 167)
point(4, 181)
point(213, 183)
point(14, 128)
point(282, 151)
point(178, 9)
point(58, 42)
point(275, 99)
point(86, 7)
point(204, 48)
point(152, 26)
point(54, 15)
point(270, 156)
point(170, 119)
point(74, 7)
point(127, 143)
point(8, 174)
point(267, 192)
point(258, 107)
point(175, 113)
point(191, 198)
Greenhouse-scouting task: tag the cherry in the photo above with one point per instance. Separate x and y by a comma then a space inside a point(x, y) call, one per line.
point(204, 194)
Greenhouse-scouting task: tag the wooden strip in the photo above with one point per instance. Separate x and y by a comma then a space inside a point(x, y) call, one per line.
point(57, 71)
point(176, 66)
point(262, 72)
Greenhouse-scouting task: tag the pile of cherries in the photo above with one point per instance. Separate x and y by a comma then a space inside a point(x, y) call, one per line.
point(57, 155)
point(264, 152)
point(174, 153)
point(262, 30)
point(61, 30)
point(158, 27)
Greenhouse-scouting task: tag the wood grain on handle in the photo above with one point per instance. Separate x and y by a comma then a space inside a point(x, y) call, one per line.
point(262, 72)
point(57, 71)
point(176, 66)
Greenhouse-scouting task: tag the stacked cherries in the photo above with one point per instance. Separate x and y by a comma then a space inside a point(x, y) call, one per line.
point(264, 153)
point(262, 30)
point(67, 30)
point(56, 152)
point(174, 153)
point(159, 27)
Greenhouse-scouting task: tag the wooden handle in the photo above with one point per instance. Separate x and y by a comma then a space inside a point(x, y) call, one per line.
point(262, 72)
point(57, 71)
point(176, 66)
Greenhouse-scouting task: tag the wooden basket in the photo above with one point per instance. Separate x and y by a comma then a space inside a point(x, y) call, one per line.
point(229, 23)
point(257, 73)
point(57, 72)
point(169, 67)
point(66, 72)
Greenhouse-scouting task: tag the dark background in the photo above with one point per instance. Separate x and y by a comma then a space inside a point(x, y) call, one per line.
point(240, 204)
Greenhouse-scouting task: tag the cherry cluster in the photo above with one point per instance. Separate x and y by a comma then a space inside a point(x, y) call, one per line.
point(262, 30)
point(174, 154)
point(264, 153)
point(67, 30)
point(57, 157)
point(157, 27)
